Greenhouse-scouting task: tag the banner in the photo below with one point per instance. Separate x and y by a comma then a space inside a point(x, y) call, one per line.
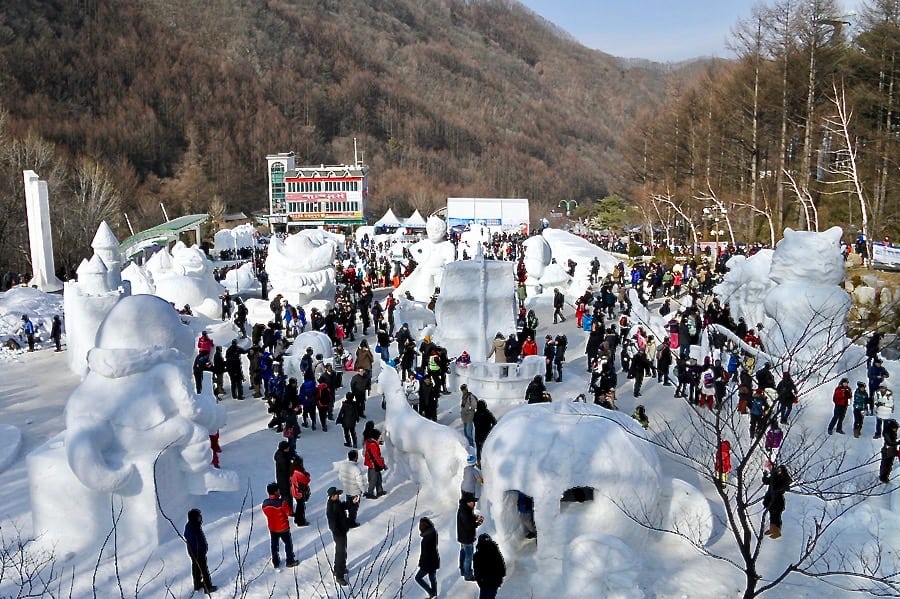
point(885, 256)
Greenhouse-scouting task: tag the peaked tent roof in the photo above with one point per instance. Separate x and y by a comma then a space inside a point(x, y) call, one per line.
point(415, 220)
point(388, 220)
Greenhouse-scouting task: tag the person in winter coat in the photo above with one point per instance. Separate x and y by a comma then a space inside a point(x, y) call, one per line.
point(778, 481)
point(764, 378)
point(889, 450)
point(484, 421)
point(197, 548)
point(283, 458)
point(774, 437)
point(472, 479)
point(339, 524)
point(884, 408)
point(787, 392)
point(347, 417)
point(466, 525)
point(205, 345)
point(841, 399)
point(300, 480)
point(489, 567)
point(354, 482)
point(234, 368)
point(529, 347)
point(429, 558)
point(559, 356)
point(549, 355)
point(498, 348)
point(640, 366)
point(873, 346)
point(277, 510)
point(723, 462)
point(375, 463)
point(364, 357)
point(640, 414)
point(860, 405)
point(534, 393)
point(56, 332)
point(359, 386)
point(218, 369)
point(876, 374)
point(759, 411)
point(468, 403)
point(559, 300)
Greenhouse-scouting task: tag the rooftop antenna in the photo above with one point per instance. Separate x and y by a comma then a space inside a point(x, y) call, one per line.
point(166, 214)
point(128, 222)
point(355, 154)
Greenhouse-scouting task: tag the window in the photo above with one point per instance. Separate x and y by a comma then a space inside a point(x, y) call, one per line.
point(277, 177)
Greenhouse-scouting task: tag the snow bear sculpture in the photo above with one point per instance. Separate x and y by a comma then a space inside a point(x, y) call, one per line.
point(807, 304)
point(301, 266)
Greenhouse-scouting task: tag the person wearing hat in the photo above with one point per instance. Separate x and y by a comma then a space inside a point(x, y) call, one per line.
point(876, 375)
point(375, 463)
point(28, 330)
point(467, 406)
point(549, 355)
point(787, 393)
point(339, 524)
point(472, 479)
point(884, 408)
point(488, 566)
point(841, 399)
point(860, 405)
point(197, 548)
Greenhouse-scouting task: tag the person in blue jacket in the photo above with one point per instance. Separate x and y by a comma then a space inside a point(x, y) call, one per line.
point(197, 548)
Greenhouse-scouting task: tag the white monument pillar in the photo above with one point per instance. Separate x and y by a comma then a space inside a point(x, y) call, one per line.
point(40, 239)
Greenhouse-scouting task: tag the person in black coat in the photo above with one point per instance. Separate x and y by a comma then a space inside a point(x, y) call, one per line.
point(549, 355)
point(489, 566)
point(888, 451)
point(56, 332)
point(339, 524)
point(466, 524)
point(348, 416)
point(235, 369)
point(664, 364)
point(484, 421)
point(640, 366)
point(764, 378)
point(534, 393)
point(429, 559)
point(283, 458)
point(779, 481)
point(197, 548)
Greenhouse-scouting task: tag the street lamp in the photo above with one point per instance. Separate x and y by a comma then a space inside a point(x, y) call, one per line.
point(568, 205)
point(715, 213)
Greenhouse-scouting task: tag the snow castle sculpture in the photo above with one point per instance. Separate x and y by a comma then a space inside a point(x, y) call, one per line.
point(431, 255)
point(301, 267)
point(136, 438)
point(88, 300)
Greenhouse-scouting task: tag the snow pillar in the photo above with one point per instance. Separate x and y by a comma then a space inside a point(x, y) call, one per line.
point(39, 234)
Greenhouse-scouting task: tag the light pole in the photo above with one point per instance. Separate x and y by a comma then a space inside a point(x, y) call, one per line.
point(716, 213)
point(568, 206)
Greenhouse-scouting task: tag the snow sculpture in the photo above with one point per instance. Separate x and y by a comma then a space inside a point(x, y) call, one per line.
point(88, 300)
point(431, 255)
point(430, 454)
point(135, 433)
point(319, 342)
point(301, 267)
point(241, 280)
point(184, 276)
point(10, 444)
point(477, 300)
point(242, 236)
point(807, 303)
point(537, 258)
point(40, 237)
point(565, 246)
point(745, 285)
point(558, 454)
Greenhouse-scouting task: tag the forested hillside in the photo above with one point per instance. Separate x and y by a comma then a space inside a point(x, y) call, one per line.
point(123, 105)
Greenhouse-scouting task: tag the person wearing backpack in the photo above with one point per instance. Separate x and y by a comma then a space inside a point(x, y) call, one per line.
point(300, 491)
point(324, 400)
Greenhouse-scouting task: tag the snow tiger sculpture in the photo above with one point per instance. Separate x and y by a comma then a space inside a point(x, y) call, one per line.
point(807, 304)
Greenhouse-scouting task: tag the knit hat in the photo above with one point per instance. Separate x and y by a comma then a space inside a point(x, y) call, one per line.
point(334, 491)
point(471, 460)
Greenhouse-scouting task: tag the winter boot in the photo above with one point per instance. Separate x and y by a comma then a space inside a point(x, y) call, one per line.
point(774, 532)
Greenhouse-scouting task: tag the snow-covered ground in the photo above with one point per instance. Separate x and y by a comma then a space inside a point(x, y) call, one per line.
point(383, 552)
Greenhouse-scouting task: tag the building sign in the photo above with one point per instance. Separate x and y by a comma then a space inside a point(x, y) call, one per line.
point(324, 196)
point(303, 216)
point(885, 256)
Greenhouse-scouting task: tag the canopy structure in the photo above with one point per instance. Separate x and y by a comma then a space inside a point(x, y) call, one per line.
point(162, 234)
point(415, 221)
point(388, 220)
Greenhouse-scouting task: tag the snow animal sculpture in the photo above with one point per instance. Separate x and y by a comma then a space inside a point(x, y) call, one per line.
point(184, 275)
point(137, 402)
point(558, 454)
point(433, 455)
point(807, 303)
point(431, 255)
point(301, 266)
point(477, 300)
point(537, 258)
point(745, 286)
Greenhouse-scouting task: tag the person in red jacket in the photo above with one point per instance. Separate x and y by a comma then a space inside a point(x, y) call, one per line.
point(841, 398)
point(277, 512)
point(723, 462)
point(205, 345)
point(529, 347)
point(375, 463)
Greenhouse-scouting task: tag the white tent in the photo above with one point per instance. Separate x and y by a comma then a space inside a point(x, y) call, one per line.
point(388, 220)
point(415, 221)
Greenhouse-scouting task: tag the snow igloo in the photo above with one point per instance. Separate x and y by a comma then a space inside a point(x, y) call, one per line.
point(585, 467)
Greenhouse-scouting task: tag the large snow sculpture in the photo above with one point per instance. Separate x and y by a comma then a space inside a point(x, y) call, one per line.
point(185, 276)
point(242, 236)
point(88, 300)
point(559, 454)
point(431, 255)
point(430, 454)
point(537, 258)
point(135, 434)
point(807, 303)
point(566, 246)
point(477, 300)
point(301, 267)
point(745, 285)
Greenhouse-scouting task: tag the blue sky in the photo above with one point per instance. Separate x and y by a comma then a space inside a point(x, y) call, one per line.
point(662, 30)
